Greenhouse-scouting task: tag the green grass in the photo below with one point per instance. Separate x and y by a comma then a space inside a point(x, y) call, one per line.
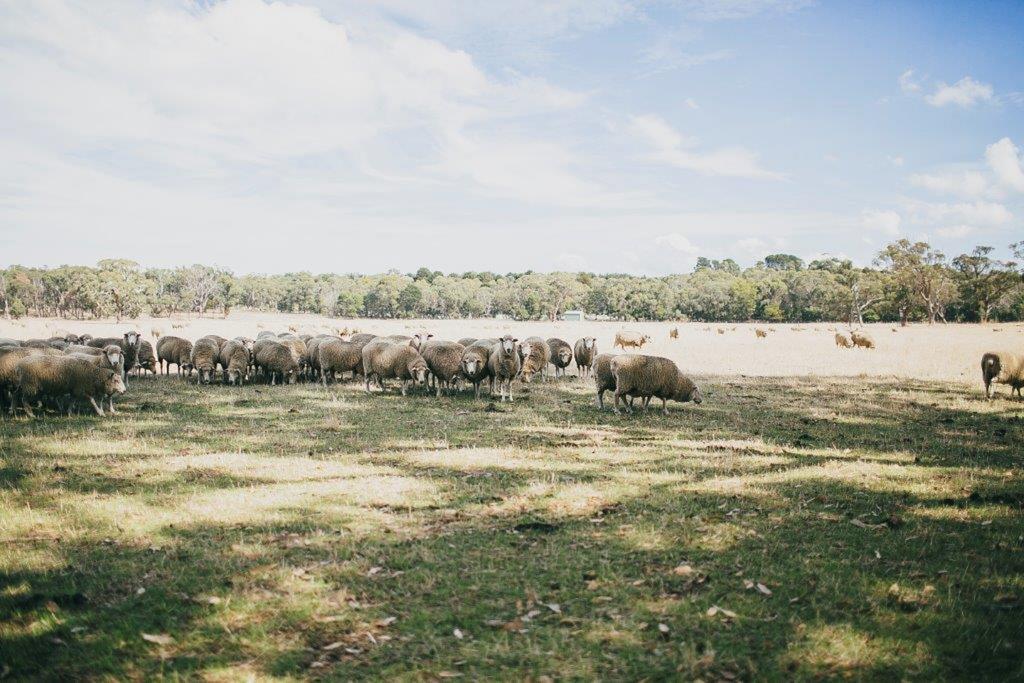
point(294, 532)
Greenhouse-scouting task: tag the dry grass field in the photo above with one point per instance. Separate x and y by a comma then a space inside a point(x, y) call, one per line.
point(825, 513)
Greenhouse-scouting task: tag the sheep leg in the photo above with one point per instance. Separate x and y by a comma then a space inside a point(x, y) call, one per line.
point(405, 386)
point(25, 405)
point(110, 400)
point(438, 389)
point(476, 390)
point(511, 398)
point(617, 402)
point(600, 399)
point(664, 406)
point(99, 410)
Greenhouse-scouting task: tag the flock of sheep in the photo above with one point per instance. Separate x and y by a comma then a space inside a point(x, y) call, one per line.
point(68, 369)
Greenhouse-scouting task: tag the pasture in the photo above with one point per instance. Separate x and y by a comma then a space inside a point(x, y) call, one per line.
point(824, 512)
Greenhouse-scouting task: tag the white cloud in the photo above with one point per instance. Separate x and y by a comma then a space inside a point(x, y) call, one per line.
point(964, 93)
point(1005, 161)
point(671, 148)
point(679, 242)
point(895, 161)
point(908, 83)
point(981, 213)
point(752, 245)
point(691, 103)
point(961, 183)
point(887, 222)
point(955, 231)
point(716, 10)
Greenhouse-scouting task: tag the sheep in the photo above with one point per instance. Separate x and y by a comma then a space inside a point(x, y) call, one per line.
point(9, 342)
point(561, 355)
point(172, 350)
point(584, 351)
point(56, 377)
point(146, 359)
point(221, 341)
point(1002, 367)
point(630, 338)
point(383, 359)
point(156, 332)
point(234, 358)
point(9, 358)
point(860, 339)
point(416, 341)
point(843, 341)
point(265, 334)
point(444, 360)
point(503, 366)
point(673, 333)
point(363, 338)
point(312, 357)
point(204, 359)
point(721, 331)
point(760, 334)
point(297, 348)
point(129, 343)
point(276, 360)
point(336, 355)
point(110, 357)
point(474, 365)
point(58, 344)
point(535, 358)
point(467, 341)
point(650, 376)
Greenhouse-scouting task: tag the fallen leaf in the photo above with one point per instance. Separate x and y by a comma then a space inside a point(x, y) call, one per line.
point(332, 646)
point(387, 621)
point(554, 607)
point(449, 674)
point(158, 638)
point(140, 590)
point(683, 570)
point(374, 570)
point(458, 634)
point(763, 589)
point(663, 628)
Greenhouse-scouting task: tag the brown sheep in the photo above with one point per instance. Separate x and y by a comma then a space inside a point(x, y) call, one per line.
point(172, 350)
point(863, 340)
point(535, 357)
point(467, 341)
point(383, 360)
point(205, 353)
point(312, 359)
point(234, 358)
point(129, 343)
point(673, 333)
point(276, 361)
point(474, 365)
point(444, 360)
point(631, 339)
point(760, 334)
point(561, 355)
point(336, 355)
point(56, 377)
point(843, 341)
point(1002, 367)
point(584, 351)
point(110, 357)
point(9, 359)
point(503, 366)
point(146, 359)
point(363, 338)
point(604, 378)
point(651, 376)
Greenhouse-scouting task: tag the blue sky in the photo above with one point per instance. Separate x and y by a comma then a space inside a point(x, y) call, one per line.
point(605, 135)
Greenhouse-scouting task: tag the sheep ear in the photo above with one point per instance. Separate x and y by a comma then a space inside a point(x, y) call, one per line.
point(515, 341)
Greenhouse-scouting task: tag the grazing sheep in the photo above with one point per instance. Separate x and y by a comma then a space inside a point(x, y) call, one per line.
point(58, 344)
point(860, 339)
point(129, 343)
point(55, 377)
point(604, 378)
point(467, 341)
point(172, 350)
point(156, 332)
point(444, 360)
point(234, 358)
point(584, 351)
point(363, 338)
point(221, 341)
point(651, 376)
point(312, 358)
point(298, 349)
point(561, 355)
point(146, 359)
point(265, 334)
point(673, 333)
point(276, 361)
point(503, 366)
point(474, 365)
point(631, 339)
point(721, 331)
point(204, 359)
point(760, 334)
point(110, 357)
point(1002, 367)
point(9, 358)
point(337, 355)
point(535, 358)
point(843, 341)
point(383, 360)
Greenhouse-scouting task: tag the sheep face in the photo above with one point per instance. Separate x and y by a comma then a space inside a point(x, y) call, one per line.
point(418, 371)
point(564, 355)
point(589, 343)
point(290, 375)
point(688, 392)
point(508, 344)
point(113, 354)
point(419, 339)
point(235, 377)
point(132, 339)
point(471, 366)
point(114, 385)
point(205, 375)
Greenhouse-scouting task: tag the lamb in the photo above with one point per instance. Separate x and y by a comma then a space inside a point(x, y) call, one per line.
point(561, 355)
point(535, 358)
point(584, 351)
point(860, 339)
point(336, 355)
point(650, 376)
point(444, 360)
point(172, 350)
point(204, 359)
point(276, 360)
point(843, 341)
point(383, 359)
point(474, 364)
point(55, 377)
point(1002, 367)
point(234, 358)
point(503, 366)
point(630, 338)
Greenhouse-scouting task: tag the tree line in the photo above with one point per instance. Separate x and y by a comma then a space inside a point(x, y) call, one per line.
point(909, 281)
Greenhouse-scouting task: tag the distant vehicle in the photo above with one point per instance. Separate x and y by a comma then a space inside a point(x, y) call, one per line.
point(574, 316)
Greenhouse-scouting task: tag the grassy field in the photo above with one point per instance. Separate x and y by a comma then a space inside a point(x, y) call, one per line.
point(783, 529)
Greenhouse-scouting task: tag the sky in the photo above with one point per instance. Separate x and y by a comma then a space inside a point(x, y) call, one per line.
point(599, 135)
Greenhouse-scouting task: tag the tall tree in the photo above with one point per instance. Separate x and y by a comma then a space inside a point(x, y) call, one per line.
point(984, 281)
point(922, 270)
